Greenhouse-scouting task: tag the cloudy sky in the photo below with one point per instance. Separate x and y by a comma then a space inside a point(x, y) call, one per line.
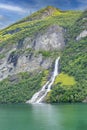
point(13, 10)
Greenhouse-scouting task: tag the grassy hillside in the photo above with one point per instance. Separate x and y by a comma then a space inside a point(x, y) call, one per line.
point(20, 30)
point(71, 85)
point(73, 63)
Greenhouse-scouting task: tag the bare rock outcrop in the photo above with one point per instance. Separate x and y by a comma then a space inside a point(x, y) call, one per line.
point(82, 35)
point(52, 39)
point(15, 62)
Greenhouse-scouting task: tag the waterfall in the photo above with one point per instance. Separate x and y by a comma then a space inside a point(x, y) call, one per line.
point(39, 96)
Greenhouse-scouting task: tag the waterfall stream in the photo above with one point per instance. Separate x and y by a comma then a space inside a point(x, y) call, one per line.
point(39, 96)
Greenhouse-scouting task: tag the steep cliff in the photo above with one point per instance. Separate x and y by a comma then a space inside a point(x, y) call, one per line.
point(27, 55)
point(29, 48)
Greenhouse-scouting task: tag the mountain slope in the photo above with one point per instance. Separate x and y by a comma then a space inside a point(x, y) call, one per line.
point(41, 14)
point(73, 63)
point(28, 49)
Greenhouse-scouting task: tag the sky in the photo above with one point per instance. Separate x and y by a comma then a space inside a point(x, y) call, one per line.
point(14, 10)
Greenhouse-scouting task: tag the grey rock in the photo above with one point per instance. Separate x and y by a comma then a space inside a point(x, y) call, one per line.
point(13, 58)
point(53, 39)
point(14, 63)
point(20, 44)
point(82, 35)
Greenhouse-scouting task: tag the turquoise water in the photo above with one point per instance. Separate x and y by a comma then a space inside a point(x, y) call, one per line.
point(43, 117)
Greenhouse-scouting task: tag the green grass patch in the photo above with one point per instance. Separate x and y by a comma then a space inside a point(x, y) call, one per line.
point(65, 79)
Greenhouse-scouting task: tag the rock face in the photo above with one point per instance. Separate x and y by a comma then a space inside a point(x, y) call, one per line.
point(82, 35)
point(15, 62)
point(52, 39)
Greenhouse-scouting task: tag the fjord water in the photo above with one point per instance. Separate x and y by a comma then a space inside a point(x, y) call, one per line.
point(43, 117)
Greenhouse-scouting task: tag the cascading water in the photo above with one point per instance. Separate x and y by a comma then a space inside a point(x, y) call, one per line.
point(39, 96)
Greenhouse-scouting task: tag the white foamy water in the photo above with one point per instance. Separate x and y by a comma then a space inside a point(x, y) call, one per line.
point(39, 96)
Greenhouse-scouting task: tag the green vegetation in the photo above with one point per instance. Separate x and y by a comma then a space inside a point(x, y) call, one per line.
point(64, 79)
point(45, 77)
point(26, 28)
point(60, 93)
point(71, 84)
point(73, 63)
point(45, 53)
point(20, 88)
point(53, 54)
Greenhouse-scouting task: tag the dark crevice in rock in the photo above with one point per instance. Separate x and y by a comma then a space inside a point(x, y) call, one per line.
point(30, 56)
point(13, 58)
point(34, 44)
point(20, 44)
point(10, 69)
